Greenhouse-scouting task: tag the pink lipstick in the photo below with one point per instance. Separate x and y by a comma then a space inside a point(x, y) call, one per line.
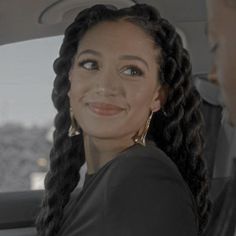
point(104, 109)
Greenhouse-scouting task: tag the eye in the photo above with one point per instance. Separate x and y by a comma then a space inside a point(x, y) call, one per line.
point(214, 47)
point(89, 64)
point(132, 71)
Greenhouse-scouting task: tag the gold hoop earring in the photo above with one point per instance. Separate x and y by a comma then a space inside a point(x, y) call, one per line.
point(74, 129)
point(141, 139)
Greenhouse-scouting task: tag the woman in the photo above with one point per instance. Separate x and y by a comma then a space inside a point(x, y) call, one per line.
point(123, 75)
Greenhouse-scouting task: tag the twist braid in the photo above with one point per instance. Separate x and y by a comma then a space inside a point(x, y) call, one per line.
point(66, 156)
point(182, 137)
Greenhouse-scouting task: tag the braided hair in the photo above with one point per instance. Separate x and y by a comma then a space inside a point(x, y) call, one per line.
point(177, 129)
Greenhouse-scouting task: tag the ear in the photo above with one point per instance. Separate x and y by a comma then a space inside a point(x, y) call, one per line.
point(212, 76)
point(159, 98)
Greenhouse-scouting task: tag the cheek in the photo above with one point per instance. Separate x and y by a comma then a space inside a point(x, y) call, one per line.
point(77, 91)
point(227, 51)
point(139, 97)
point(79, 82)
point(226, 72)
point(226, 64)
point(74, 88)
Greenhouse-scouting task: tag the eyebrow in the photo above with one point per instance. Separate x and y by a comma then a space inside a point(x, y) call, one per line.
point(133, 57)
point(90, 51)
point(123, 57)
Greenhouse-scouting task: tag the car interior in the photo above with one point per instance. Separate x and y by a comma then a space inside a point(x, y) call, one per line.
point(27, 20)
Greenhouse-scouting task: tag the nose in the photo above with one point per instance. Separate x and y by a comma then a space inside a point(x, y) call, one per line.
point(108, 83)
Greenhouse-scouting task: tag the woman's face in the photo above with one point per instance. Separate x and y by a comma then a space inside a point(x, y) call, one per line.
point(114, 80)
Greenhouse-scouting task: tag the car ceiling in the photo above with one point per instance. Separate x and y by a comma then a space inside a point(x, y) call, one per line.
point(26, 19)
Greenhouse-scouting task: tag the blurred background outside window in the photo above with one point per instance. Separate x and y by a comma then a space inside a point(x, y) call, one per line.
point(26, 112)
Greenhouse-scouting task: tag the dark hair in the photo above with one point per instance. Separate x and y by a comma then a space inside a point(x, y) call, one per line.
point(178, 133)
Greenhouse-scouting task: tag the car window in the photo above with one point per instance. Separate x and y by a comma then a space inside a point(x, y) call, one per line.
point(26, 112)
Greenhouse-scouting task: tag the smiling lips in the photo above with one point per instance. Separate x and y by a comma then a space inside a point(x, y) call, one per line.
point(104, 109)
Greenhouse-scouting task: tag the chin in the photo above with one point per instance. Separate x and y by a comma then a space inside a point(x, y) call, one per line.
point(101, 133)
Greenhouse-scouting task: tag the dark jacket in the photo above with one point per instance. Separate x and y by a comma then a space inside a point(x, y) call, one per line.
point(140, 192)
point(223, 216)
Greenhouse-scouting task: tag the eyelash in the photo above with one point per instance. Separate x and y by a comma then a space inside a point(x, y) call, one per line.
point(82, 63)
point(214, 48)
point(132, 67)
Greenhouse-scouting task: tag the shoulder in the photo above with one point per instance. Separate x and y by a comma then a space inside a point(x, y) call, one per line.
point(139, 162)
point(149, 170)
point(144, 183)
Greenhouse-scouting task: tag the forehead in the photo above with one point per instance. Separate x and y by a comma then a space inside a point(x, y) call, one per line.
point(220, 9)
point(214, 10)
point(118, 36)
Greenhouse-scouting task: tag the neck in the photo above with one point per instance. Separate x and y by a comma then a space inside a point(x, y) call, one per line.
point(100, 151)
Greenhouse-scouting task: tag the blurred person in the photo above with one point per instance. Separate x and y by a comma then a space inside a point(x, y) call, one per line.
point(128, 108)
point(222, 39)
